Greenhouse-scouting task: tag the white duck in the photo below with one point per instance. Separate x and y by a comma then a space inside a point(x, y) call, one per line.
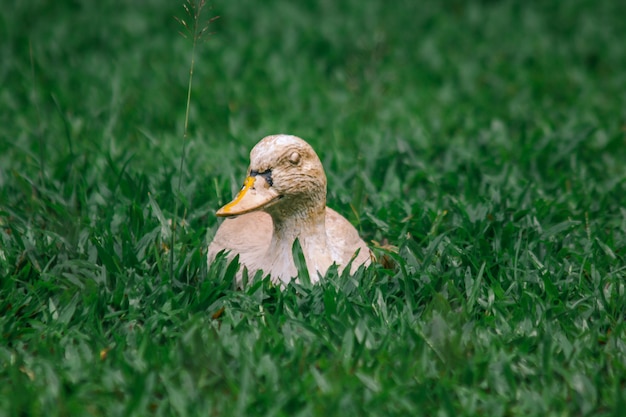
point(283, 198)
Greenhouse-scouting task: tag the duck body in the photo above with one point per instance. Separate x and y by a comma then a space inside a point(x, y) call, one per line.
point(283, 199)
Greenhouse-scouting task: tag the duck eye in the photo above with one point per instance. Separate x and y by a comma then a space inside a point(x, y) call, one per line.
point(294, 158)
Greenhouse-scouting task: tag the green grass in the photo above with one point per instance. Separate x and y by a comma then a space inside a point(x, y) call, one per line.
point(486, 140)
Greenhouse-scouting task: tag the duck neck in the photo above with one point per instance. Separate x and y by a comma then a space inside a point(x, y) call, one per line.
point(299, 225)
point(309, 227)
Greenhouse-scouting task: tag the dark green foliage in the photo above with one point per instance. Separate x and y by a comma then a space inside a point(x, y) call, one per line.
point(484, 139)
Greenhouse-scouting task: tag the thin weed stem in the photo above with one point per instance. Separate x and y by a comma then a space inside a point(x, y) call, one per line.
point(196, 31)
point(42, 151)
point(188, 103)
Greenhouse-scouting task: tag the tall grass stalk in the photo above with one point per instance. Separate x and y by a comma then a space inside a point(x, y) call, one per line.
point(196, 30)
point(35, 98)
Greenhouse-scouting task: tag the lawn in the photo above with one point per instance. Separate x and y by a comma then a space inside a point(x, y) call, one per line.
point(482, 144)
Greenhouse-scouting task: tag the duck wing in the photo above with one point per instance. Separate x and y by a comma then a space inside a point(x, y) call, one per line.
point(344, 240)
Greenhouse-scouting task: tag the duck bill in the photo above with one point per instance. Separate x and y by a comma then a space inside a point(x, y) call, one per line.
point(255, 194)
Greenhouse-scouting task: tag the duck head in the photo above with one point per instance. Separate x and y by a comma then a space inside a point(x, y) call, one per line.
point(285, 177)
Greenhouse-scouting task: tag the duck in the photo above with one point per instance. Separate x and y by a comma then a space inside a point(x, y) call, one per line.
point(283, 198)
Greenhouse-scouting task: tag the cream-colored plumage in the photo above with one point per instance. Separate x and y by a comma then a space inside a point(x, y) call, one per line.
point(284, 199)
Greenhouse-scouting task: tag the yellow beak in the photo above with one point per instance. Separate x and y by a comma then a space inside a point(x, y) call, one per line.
point(255, 194)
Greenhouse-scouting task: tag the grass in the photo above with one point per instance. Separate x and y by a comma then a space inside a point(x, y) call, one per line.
point(486, 140)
